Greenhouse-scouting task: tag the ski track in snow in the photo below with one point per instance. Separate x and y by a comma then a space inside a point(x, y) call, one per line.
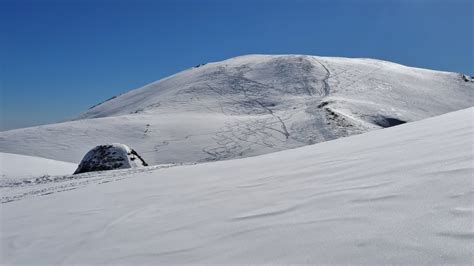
point(12, 190)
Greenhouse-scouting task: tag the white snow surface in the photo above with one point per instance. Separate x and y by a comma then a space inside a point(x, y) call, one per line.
point(15, 166)
point(402, 195)
point(250, 105)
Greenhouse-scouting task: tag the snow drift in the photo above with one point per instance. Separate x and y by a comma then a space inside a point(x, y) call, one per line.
point(401, 195)
point(15, 166)
point(110, 157)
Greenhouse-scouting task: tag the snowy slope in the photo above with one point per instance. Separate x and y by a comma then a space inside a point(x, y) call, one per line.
point(250, 105)
point(15, 166)
point(402, 195)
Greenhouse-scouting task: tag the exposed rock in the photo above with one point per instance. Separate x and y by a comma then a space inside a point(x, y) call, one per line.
point(110, 157)
point(467, 78)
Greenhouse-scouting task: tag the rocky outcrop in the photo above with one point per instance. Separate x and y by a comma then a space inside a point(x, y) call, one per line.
point(110, 157)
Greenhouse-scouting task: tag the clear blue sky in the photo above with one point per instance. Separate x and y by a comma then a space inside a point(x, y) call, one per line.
point(60, 57)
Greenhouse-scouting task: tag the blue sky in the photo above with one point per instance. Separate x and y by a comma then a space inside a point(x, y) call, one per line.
point(60, 57)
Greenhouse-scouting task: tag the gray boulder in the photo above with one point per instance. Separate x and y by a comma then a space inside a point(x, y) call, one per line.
point(110, 157)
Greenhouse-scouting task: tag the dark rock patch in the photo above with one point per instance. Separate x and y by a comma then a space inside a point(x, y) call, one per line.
point(110, 157)
point(322, 104)
point(385, 121)
point(467, 78)
point(200, 65)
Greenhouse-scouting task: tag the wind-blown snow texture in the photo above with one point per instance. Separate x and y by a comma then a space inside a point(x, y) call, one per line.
point(15, 167)
point(402, 195)
point(250, 105)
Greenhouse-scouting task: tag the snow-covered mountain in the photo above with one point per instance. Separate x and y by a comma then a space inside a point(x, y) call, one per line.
point(397, 196)
point(250, 105)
